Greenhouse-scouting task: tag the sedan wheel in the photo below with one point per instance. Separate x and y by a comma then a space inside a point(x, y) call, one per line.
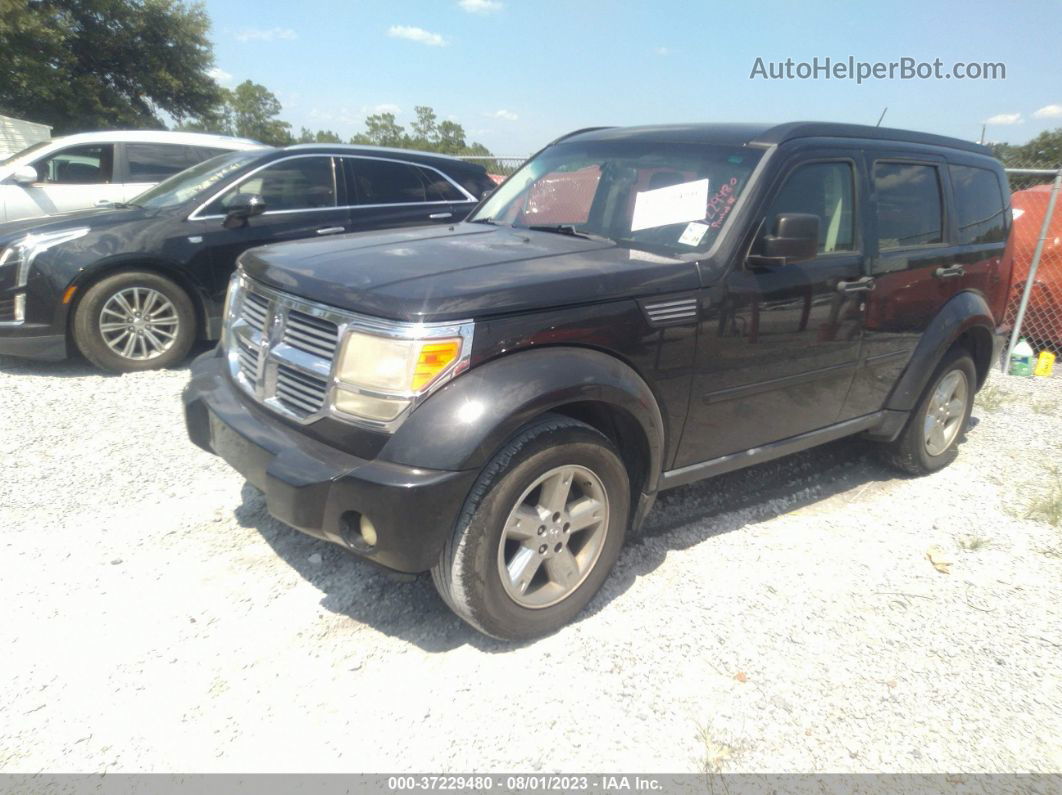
point(139, 323)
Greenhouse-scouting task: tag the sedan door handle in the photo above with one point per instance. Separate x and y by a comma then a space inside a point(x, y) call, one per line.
point(954, 272)
point(863, 285)
point(331, 230)
point(440, 216)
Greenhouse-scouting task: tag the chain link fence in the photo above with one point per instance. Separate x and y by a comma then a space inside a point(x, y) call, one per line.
point(497, 167)
point(1034, 308)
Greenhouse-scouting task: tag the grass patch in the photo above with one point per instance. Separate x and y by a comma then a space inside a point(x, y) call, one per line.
point(1047, 507)
point(1044, 407)
point(991, 397)
point(974, 543)
point(716, 753)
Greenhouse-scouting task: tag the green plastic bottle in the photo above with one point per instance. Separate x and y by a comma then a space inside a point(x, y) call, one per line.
point(1021, 359)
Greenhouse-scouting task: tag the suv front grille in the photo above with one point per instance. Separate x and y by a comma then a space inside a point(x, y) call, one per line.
point(281, 350)
point(7, 310)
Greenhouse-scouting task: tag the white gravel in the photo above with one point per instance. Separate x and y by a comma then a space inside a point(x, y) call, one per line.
point(784, 618)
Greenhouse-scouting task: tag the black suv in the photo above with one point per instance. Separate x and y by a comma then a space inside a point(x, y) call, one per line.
point(500, 401)
point(134, 285)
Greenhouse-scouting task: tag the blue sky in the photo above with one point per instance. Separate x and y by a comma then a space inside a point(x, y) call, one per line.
point(517, 73)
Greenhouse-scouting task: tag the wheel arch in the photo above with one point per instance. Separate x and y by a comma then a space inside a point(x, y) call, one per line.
point(964, 320)
point(89, 277)
point(465, 423)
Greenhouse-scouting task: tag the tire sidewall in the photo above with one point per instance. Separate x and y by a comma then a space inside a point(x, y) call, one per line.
point(485, 597)
point(955, 360)
point(89, 339)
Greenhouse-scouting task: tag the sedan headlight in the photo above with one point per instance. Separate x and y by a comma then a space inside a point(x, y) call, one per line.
point(25, 250)
point(378, 377)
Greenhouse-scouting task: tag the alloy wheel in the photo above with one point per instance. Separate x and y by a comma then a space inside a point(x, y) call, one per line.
point(946, 412)
point(139, 323)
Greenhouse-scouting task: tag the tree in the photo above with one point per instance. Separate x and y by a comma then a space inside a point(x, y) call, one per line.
point(104, 64)
point(1044, 151)
point(381, 130)
point(250, 110)
point(429, 134)
point(424, 128)
point(307, 136)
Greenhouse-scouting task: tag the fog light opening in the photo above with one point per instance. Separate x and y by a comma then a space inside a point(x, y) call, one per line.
point(368, 531)
point(358, 531)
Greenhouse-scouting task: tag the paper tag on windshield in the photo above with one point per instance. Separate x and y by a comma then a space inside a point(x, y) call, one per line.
point(694, 234)
point(674, 204)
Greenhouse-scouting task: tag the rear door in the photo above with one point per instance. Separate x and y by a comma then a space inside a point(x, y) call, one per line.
point(779, 348)
point(387, 193)
point(913, 266)
point(142, 165)
point(303, 199)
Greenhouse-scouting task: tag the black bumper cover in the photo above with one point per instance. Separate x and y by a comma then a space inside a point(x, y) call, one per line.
point(319, 489)
point(32, 342)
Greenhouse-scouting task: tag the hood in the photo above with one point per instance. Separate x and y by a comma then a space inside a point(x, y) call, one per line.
point(95, 218)
point(461, 272)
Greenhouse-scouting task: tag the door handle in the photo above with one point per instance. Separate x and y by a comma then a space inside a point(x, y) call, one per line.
point(954, 272)
point(331, 230)
point(440, 216)
point(861, 285)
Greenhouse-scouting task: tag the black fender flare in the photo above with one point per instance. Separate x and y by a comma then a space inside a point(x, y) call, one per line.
point(963, 312)
point(466, 422)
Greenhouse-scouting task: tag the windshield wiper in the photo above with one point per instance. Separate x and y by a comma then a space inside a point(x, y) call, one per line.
point(120, 205)
point(562, 229)
point(490, 221)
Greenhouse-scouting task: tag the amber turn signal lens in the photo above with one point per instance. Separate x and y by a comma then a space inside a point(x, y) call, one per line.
point(434, 358)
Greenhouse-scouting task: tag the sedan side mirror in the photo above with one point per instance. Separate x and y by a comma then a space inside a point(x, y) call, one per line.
point(237, 215)
point(24, 175)
point(795, 239)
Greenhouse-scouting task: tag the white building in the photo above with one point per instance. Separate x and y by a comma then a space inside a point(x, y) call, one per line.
point(16, 135)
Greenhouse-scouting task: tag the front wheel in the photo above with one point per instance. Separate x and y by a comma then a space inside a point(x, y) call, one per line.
point(539, 533)
point(134, 321)
point(930, 440)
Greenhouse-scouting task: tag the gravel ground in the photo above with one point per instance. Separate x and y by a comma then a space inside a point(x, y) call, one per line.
point(784, 618)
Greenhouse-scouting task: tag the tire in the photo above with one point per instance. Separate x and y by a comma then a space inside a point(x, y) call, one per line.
point(147, 343)
point(469, 574)
point(915, 450)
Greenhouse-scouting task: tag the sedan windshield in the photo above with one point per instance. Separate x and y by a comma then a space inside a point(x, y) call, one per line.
point(640, 194)
point(191, 182)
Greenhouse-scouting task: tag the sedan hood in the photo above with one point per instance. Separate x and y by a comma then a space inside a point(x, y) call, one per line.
point(461, 272)
point(96, 218)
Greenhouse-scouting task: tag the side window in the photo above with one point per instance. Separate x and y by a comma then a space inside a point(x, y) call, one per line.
point(302, 183)
point(440, 189)
point(92, 164)
point(910, 212)
point(824, 190)
point(155, 162)
point(387, 182)
point(979, 207)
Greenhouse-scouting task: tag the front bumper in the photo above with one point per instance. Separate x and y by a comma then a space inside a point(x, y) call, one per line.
point(318, 489)
point(32, 341)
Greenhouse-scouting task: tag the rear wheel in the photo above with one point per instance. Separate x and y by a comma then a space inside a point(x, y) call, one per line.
point(930, 439)
point(134, 321)
point(539, 533)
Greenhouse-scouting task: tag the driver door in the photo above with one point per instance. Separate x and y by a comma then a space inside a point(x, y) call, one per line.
point(779, 344)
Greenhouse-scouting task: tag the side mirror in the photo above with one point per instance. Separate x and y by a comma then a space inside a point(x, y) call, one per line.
point(24, 175)
point(237, 216)
point(795, 239)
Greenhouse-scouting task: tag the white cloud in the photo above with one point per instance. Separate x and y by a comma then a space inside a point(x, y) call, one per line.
point(270, 34)
point(384, 107)
point(480, 6)
point(504, 115)
point(662, 50)
point(418, 35)
point(1048, 112)
point(1004, 118)
point(220, 76)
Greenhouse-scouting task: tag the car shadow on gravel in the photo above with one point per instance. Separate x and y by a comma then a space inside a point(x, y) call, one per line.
point(682, 518)
point(77, 366)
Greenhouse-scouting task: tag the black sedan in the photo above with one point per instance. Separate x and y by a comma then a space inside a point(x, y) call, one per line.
point(133, 285)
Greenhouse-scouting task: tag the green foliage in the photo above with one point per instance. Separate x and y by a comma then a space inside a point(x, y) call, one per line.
point(104, 64)
point(307, 136)
point(250, 110)
point(1043, 151)
point(427, 133)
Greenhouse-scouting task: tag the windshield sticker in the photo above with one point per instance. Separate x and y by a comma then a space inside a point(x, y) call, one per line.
point(694, 234)
point(674, 204)
point(720, 204)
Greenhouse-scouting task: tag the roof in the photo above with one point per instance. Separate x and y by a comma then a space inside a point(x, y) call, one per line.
point(17, 134)
point(162, 136)
point(365, 149)
point(766, 135)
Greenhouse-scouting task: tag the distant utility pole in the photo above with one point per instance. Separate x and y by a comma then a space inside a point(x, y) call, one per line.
point(882, 116)
point(982, 141)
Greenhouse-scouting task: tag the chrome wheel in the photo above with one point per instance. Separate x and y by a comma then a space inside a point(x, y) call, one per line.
point(139, 323)
point(553, 537)
point(946, 412)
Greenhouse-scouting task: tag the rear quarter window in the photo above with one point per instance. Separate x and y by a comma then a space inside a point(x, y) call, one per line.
point(979, 206)
point(910, 210)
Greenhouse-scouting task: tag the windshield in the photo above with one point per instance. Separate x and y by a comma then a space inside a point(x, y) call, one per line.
point(24, 152)
point(189, 183)
point(640, 194)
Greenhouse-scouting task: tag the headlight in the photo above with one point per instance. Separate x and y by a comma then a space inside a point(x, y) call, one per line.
point(24, 251)
point(378, 377)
